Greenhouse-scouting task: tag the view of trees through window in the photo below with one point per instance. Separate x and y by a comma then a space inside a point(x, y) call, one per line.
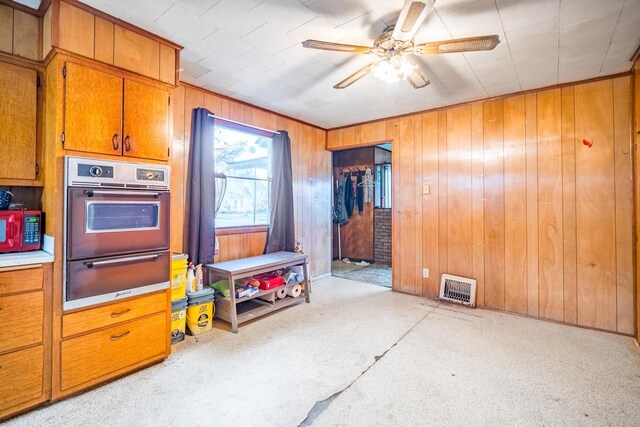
point(243, 157)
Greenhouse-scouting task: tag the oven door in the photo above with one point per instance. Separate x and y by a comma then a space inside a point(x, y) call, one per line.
point(10, 231)
point(100, 280)
point(113, 222)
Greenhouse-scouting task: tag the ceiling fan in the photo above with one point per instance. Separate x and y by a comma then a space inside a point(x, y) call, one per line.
point(396, 50)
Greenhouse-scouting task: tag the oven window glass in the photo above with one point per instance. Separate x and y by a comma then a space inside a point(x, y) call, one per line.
point(122, 216)
point(3, 230)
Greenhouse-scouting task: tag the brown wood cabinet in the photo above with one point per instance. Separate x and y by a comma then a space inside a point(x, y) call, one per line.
point(107, 114)
point(18, 110)
point(146, 121)
point(25, 338)
point(93, 110)
point(107, 341)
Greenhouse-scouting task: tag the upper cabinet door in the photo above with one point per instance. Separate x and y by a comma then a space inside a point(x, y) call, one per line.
point(18, 105)
point(93, 111)
point(146, 121)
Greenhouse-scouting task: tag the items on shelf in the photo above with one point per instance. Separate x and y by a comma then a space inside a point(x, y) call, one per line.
point(294, 291)
point(178, 320)
point(200, 311)
point(222, 286)
point(269, 281)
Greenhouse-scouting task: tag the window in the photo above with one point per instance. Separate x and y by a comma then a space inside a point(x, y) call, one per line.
point(383, 186)
point(243, 158)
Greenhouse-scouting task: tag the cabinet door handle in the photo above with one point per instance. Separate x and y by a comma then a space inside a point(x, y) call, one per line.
point(117, 337)
point(115, 142)
point(120, 313)
point(127, 143)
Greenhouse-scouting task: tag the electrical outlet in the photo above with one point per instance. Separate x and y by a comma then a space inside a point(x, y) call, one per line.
point(425, 273)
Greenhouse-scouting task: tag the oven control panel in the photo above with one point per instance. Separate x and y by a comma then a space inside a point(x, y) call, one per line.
point(85, 172)
point(150, 175)
point(96, 171)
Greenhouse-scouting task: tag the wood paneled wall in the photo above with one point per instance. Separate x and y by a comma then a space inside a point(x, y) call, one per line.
point(311, 176)
point(636, 132)
point(18, 33)
point(240, 245)
point(530, 194)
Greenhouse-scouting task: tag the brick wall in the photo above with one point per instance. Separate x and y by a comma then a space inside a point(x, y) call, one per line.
point(382, 233)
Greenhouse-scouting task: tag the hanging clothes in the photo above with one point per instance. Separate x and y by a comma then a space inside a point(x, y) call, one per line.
point(359, 193)
point(340, 209)
point(368, 186)
point(348, 195)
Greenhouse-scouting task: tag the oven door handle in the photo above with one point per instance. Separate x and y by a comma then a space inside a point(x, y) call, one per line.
point(91, 193)
point(91, 264)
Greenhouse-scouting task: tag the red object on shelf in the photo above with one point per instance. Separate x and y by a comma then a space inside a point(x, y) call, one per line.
point(269, 281)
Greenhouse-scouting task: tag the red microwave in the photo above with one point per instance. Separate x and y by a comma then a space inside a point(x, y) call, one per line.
point(19, 230)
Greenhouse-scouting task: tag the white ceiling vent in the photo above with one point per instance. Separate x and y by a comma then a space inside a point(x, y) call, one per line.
point(458, 289)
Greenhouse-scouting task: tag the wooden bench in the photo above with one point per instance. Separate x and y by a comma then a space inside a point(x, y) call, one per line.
point(239, 310)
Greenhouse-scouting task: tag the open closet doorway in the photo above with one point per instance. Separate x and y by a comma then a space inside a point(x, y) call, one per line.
point(362, 214)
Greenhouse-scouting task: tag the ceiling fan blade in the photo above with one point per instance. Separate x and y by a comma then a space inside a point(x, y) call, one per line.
point(354, 77)
point(418, 78)
point(339, 47)
point(412, 16)
point(469, 44)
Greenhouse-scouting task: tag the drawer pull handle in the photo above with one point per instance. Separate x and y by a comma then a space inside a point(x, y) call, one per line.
point(127, 143)
point(117, 337)
point(115, 142)
point(120, 313)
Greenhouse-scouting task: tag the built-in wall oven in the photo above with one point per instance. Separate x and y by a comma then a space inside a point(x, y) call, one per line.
point(117, 230)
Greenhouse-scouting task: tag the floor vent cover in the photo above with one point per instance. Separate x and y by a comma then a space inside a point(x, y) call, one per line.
point(458, 289)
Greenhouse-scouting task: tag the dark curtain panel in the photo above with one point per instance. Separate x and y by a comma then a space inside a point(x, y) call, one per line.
point(281, 235)
point(201, 197)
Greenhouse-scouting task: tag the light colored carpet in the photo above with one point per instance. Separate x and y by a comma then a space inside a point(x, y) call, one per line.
point(389, 359)
point(376, 274)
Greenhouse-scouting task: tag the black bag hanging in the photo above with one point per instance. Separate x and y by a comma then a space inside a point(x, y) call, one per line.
point(348, 195)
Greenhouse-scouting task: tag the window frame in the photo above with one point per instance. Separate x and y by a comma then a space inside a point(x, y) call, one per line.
point(242, 127)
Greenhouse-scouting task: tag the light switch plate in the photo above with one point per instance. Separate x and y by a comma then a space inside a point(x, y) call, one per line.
point(425, 273)
point(426, 190)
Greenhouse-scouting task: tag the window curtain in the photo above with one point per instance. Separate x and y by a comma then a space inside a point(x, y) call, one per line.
point(281, 236)
point(201, 197)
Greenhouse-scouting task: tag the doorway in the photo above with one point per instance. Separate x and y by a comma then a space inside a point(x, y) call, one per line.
point(362, 214)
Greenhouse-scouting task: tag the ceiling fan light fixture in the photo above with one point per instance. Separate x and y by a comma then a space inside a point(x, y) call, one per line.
point(394, 69)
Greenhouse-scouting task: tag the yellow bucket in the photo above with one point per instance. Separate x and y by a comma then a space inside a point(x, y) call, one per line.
point(178, 320)
point(178, 276)
point(200, 311)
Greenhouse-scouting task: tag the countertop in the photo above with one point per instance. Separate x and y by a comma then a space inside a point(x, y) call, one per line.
point(31, 257)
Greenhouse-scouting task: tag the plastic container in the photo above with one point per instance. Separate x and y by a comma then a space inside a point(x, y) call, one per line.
point(200, 311)
point(178, 276)
point(178, 320)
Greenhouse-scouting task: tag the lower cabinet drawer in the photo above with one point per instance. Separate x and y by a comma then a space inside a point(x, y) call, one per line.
point(21, 377)
point(107, 315)
point(21, 320)
point(96, 355)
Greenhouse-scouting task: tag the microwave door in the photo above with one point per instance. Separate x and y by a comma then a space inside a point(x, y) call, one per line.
point(9, 233)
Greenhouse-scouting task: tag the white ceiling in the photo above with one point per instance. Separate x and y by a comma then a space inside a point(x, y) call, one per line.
point(33, 4)
point(250, 49)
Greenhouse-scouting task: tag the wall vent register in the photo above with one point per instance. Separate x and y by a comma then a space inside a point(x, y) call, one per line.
point(461, 290)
